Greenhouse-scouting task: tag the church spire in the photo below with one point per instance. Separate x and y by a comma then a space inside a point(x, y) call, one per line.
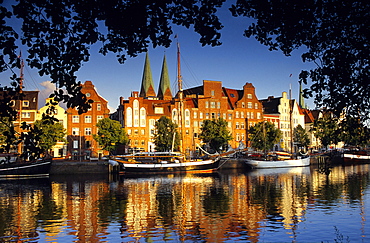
point(301, 99)
point(147, 86)
point(164, 90)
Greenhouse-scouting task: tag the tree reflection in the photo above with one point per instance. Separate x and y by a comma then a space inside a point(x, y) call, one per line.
point(216, 201)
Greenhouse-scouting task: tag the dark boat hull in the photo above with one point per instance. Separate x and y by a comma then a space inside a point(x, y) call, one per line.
point(38, 168)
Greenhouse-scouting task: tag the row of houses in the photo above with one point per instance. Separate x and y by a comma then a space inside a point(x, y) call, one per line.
point(138, 113)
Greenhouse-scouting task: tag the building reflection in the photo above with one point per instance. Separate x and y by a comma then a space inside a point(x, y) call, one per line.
point(212, 208)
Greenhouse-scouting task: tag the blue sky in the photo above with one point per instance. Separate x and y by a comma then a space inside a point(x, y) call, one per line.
point(237, 61)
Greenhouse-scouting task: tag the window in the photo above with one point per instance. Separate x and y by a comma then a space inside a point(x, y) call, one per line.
point(158, 110)
point(218, 105)
point(250, 105)
point(207, 115)
point(237, 114)
point(237, 137)
point(98, 118)
point(129, 132)
point(230, 116)
point(213, 115)
point(242, 114)
point(243, 137)
point(87, 94)
point(75, 144)
point(87, 131)
point(243, 105)
point(87, 144)
point(237, 125)
point(129, 117)
point(206, 104)
point(195, 123)
point(26, 114)
point(142, 132)
point(249, 96)
point(75, 119)
point(242, 125)
point(25, 103)
point(224, 116)
point(98, 107)
point(87, 119)
point(213, 104)
point(258, 115)
point(252, 115)
point(255, 105)
point(75, 131)
point(201, 115)
point(195, 115)
point(248, 115)
point(212, 93)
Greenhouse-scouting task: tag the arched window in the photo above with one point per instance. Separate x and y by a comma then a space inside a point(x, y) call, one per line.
point(129, 117)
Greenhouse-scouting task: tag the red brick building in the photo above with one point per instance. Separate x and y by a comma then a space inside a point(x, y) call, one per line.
point(138, 113)
point(81, 127)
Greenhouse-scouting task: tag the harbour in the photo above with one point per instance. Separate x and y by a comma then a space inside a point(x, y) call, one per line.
point(267, 205)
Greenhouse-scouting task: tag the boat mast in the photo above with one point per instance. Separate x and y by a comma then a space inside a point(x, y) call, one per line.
point(291, 119)
point(20, 82)
point(181, 101)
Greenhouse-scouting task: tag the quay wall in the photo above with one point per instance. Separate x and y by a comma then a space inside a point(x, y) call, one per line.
point(62, 167)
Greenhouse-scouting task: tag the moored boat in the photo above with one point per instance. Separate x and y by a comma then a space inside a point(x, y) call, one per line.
point(20, 169)
point(358, 156)
point(162, 162)
point(272, 163)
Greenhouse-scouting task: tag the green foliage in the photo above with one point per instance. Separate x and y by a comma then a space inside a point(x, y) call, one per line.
point(51, 131)
point(58, 34)
point(335, 38)
point(264, 135)
point(353, 132)
point(215, 133)
point(326, 129)
point(110, 134)
point(301, 137)
point(165, 130)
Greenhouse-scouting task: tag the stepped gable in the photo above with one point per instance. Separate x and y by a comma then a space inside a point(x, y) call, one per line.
point(147, 85)
point(164, 90)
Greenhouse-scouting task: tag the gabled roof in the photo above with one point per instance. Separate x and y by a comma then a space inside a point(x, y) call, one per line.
point(233, 96)
point(271, 105)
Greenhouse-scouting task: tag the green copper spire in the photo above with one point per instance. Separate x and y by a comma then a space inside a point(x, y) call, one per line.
point(147, 86)
point(301, 99)
point(164, 90)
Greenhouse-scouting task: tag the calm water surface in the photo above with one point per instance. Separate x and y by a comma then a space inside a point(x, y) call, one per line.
point(290, 205)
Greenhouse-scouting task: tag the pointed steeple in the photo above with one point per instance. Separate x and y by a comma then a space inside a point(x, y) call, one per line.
point(164, 90)
point(301, 99)
point(147, 86)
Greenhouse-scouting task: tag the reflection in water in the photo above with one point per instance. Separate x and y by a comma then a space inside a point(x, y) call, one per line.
point(299, 204)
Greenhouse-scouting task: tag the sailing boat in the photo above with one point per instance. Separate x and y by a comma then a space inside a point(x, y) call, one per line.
point(280, 159)
point(10, 164)
point(165, 162)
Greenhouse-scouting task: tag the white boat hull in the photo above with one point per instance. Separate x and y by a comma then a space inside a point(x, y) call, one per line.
point(200, 165)
point(260, 164)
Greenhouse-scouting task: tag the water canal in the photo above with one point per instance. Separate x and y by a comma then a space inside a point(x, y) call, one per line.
point(290, 205)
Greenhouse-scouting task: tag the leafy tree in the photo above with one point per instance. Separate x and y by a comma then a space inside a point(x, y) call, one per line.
point(58, 34)
point(110, 134)
point(51, 133)
point(301, 136)
point(334, 35)
point(7, 128)
point(354, 132)
point(326, 129)
point(264, 135)
point(215, 133)
point(165, 135)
